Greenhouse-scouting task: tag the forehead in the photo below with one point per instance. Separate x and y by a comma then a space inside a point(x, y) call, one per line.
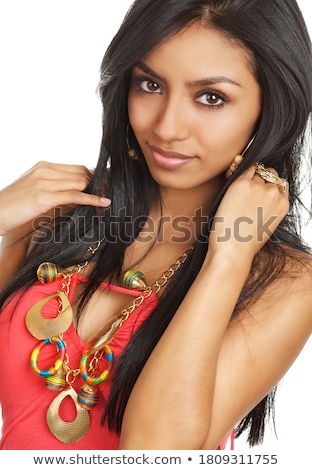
point(200, 48)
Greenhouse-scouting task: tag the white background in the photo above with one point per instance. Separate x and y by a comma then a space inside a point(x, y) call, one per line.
point(50, 57)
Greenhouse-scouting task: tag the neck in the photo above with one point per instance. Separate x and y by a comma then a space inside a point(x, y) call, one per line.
point(180, 214)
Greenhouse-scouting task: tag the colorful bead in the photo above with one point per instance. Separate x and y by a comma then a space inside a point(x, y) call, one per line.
point(56, 382)
point(47, 272)
point(88, 396)
point(103, 376)
point(134, 280)
point(58, 363)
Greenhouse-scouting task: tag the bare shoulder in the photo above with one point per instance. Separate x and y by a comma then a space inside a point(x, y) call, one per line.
point(294, 273)
point(299, 292)
point(287, 298)
point(297, 273)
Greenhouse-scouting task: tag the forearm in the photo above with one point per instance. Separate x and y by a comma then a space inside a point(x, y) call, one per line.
point(13, 251)
point(170, 406)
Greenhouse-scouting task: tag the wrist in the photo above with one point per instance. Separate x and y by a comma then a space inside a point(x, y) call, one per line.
point(227, 262)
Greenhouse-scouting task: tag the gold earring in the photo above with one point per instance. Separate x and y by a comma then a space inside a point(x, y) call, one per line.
point(237, 160)
point(133, 154)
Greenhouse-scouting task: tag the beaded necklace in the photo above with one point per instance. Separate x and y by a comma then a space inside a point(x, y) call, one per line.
point(60, 377)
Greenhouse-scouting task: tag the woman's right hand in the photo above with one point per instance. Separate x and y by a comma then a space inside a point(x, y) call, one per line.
point(42, 188)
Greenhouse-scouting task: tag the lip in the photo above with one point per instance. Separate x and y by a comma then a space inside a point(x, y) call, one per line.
point(169, 160)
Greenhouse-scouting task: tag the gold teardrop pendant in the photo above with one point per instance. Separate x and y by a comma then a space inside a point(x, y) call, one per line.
point(42, 328)
point(64, 431)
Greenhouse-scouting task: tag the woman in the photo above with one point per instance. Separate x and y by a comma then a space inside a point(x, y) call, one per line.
point(206, 105)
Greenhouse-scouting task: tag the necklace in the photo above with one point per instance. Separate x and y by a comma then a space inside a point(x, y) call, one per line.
point(60, 377)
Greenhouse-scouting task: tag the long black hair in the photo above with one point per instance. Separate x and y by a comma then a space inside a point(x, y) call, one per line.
point(274, 33)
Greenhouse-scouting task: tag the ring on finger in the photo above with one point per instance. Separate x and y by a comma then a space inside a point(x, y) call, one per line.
point(270, 177)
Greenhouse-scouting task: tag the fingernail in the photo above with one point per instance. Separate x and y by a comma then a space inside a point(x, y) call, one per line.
point(105, 200)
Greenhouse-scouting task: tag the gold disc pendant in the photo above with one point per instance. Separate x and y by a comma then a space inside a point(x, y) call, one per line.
point(64, 431)
point(42, 328)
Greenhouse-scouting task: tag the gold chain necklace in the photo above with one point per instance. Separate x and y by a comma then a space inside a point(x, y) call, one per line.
point(98, 339)
point(60, 377)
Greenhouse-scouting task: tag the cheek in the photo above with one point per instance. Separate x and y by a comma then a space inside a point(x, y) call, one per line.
point(239, 125)
point(139, 116)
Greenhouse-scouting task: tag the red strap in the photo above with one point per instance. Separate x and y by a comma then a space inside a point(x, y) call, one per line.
point(230, 436)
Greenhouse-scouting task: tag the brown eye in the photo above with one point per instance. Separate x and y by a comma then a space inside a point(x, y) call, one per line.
point(150, 86)
point(212, 99)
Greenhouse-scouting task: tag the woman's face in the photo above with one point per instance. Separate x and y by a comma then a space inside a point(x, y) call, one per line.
point(193, 106)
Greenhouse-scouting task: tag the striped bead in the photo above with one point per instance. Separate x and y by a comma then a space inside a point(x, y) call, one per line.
point(88, 396)
point(134, 280)
point(56, 382)
point(47, 272)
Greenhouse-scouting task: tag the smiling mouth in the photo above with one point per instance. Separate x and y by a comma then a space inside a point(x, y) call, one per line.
point(170, 160)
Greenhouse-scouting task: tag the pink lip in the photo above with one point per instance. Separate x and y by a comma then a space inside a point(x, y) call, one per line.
point(170, 160)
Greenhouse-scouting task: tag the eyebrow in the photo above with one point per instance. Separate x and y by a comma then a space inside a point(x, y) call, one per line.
point(203, 82)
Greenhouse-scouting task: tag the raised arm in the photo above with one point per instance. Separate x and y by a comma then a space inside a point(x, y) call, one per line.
point(177, 402)
point(36, 193)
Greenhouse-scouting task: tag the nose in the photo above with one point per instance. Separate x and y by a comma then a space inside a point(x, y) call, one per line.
point(172, 122)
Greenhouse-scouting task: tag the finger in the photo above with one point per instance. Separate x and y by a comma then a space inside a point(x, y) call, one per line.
point(54, 171)
point(249, 173)
point(61, 166)
point(66, 183)
point(282, 184)
point(270, 176)
point(88, 199)
point(272, 170)
point(74, 197)
point(284, 187)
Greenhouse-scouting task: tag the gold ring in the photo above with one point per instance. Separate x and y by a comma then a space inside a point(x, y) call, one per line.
point(269, 176)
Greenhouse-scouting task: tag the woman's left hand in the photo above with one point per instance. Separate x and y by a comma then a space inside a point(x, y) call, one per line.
point(248, 214)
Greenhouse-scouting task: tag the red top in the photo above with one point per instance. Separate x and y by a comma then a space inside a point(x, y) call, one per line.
point(24, 396)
